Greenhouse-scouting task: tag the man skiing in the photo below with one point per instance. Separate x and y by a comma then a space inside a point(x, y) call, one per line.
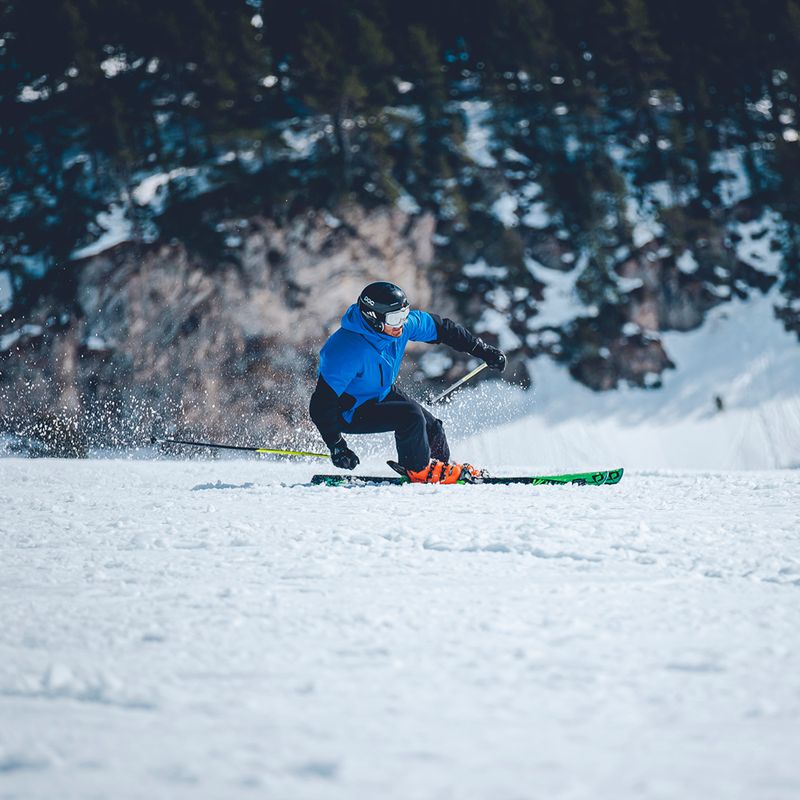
point(355, 390)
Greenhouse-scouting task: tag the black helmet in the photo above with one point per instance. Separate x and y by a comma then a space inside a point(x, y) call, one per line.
point(382, 303)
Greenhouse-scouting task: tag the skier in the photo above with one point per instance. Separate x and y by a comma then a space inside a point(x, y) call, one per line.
point(355, 390)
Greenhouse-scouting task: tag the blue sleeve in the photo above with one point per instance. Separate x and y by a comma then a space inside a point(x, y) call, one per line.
point(421, 327)
point(338, 363)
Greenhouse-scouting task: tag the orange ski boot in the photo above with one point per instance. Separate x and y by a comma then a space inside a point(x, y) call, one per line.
point(441, 472)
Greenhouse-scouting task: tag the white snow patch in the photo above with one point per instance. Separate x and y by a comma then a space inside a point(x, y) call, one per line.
point(561, 304)
point(510, 154)
point(626, 285)
point(9, 340)
point(645, 226)
point(734, 184)
point(480, 269)
point(661, 192)
point(496, 322)
point(302, 142)
point(762, 106)
point(631, 329)
point(407, 113)
point(118, 228)
point(114, 65)
point(95, 342)
point(149, 191)
point(687, 263)
point(537, 216)
point(407, 204)
point(531, 190)
point(331, 220)
point(30, 94)
point(6, 291)
point(479, 138)
point(505, 209)
point(434, 363)
point(755, 246)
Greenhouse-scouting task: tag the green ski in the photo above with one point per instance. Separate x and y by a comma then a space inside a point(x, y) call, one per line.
point(598, 478)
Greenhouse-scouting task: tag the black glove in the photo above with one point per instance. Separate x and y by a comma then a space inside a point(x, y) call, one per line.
point(493, 356)
point(342, 456)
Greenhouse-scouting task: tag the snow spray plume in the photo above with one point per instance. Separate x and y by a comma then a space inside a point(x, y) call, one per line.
point(447, 392)
point(488, 404)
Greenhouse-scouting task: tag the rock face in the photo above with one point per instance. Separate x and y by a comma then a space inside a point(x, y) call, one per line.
point(153, 339)
point(160, 339)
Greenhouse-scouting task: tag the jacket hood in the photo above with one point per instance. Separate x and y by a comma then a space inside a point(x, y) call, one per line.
point(353, 321)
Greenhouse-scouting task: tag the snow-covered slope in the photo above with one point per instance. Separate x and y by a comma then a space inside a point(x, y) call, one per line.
point(206, 630)
point(740, 355)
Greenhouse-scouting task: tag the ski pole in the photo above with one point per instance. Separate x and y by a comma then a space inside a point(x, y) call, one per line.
point(276, 451)
point(458, 383)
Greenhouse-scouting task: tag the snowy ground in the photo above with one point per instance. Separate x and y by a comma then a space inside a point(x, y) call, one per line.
point(207, 630)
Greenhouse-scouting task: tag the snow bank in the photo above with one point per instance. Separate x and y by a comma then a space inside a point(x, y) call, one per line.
point(741, 359)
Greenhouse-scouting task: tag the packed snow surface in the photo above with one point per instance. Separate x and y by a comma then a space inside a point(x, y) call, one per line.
point(213, 629)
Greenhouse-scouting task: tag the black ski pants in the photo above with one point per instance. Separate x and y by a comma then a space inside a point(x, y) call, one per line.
point(418, 434)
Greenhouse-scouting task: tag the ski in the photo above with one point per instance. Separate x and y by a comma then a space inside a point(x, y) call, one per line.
point(599, 478)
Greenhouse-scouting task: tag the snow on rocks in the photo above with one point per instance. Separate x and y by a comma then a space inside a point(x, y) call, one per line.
point(561, 303)
point(10, 340)
point(758, 242)
point(734, 183)
point(303, 139)
point(480, 269)
point(117, 228)
point(505, 210)
point(537, 216)
point(6, 291)
point(687, 263)
point(497, 323)
point(479, 137)
point(434, 363)
point(395, 642)
point(149, 191)
point(642, 218)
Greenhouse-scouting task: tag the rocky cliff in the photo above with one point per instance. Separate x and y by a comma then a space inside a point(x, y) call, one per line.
point(154, 338)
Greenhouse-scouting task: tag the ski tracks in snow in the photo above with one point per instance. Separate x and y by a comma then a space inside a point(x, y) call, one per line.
point(210, 629)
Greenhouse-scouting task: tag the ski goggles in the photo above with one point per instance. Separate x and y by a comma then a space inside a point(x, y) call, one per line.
point(396, 319)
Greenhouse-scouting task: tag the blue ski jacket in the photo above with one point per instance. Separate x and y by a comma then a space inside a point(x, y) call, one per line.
point(357, 364)
point(362, 363)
